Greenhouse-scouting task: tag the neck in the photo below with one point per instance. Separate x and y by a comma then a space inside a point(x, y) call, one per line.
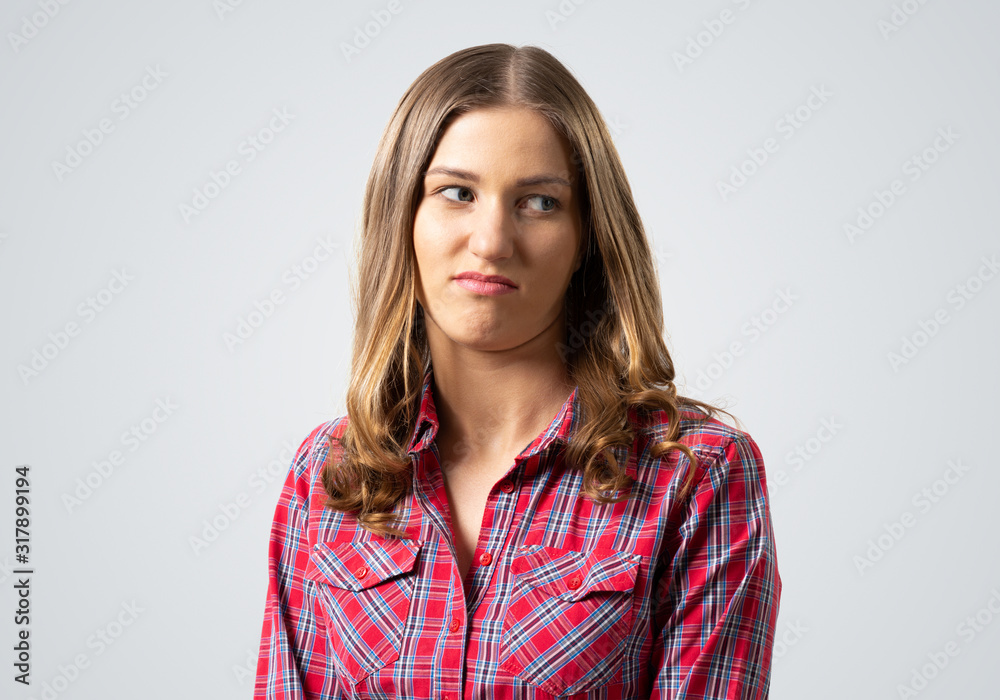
point(492, 404)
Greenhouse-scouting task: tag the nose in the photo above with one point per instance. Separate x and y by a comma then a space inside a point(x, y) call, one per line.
point(492, 236)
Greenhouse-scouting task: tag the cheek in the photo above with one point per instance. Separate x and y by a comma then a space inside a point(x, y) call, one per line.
point(558, 258)
point(433, 242)
point(422, 241)
point(429, 249)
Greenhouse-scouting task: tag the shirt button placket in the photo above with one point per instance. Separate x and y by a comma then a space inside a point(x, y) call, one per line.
point(453, 658)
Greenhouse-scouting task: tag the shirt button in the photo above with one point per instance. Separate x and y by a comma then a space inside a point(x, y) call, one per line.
point(455, 625)
point(575, 582)
point(485, 558)
point(506, 486)
point(361, 572)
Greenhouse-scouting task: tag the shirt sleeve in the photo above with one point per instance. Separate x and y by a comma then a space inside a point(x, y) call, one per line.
point(294, 662)
point(721, 587)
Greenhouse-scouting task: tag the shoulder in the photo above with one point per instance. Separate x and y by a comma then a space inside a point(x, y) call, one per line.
point(717, 446)
point(315, 449)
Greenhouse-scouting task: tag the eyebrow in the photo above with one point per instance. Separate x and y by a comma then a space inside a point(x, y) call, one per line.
point(523, 182)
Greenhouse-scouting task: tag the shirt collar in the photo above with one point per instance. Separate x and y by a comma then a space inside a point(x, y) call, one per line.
point(426, 427)
point(558, 432)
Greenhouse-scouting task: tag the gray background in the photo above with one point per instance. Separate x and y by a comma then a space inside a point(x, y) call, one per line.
point(845, 629)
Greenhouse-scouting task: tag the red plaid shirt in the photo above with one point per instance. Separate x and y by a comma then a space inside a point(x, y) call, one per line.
point(647, 598)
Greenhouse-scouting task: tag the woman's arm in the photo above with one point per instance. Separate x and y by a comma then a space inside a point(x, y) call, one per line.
point(721, 587)
point(294, 661)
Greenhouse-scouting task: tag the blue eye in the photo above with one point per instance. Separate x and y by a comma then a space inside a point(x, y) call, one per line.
point(456, 187)
point(552, 202)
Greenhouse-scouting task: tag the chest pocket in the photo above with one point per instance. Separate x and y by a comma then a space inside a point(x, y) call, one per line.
point(569, 615)
point(365, 590)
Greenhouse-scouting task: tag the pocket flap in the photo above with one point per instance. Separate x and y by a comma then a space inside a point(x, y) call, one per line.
point(571, 574)
point(359, 565)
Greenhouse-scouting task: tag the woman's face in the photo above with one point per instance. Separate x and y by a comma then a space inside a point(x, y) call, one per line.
point(499, 198)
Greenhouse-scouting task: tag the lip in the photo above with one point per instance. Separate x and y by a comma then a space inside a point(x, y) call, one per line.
point(490, 285)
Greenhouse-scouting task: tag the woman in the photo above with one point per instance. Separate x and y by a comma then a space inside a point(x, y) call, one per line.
point(518, 504)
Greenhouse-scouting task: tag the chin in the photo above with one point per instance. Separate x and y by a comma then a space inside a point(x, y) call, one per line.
point(483, 336)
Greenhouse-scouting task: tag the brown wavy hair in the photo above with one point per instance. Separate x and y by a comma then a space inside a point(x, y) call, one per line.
point(615, 353)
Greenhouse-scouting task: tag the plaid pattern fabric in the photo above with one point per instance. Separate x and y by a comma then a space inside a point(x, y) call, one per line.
point(652, 597)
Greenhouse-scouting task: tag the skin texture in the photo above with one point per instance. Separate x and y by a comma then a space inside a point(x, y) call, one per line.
point(498, 377)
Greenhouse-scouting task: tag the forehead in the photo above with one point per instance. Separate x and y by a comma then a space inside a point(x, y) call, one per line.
point(503, 141)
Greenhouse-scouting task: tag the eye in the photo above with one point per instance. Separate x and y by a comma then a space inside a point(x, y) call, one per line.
point(460, 189)
point(548, 203)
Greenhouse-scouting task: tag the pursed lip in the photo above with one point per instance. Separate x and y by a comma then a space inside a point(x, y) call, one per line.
point(496, 279)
